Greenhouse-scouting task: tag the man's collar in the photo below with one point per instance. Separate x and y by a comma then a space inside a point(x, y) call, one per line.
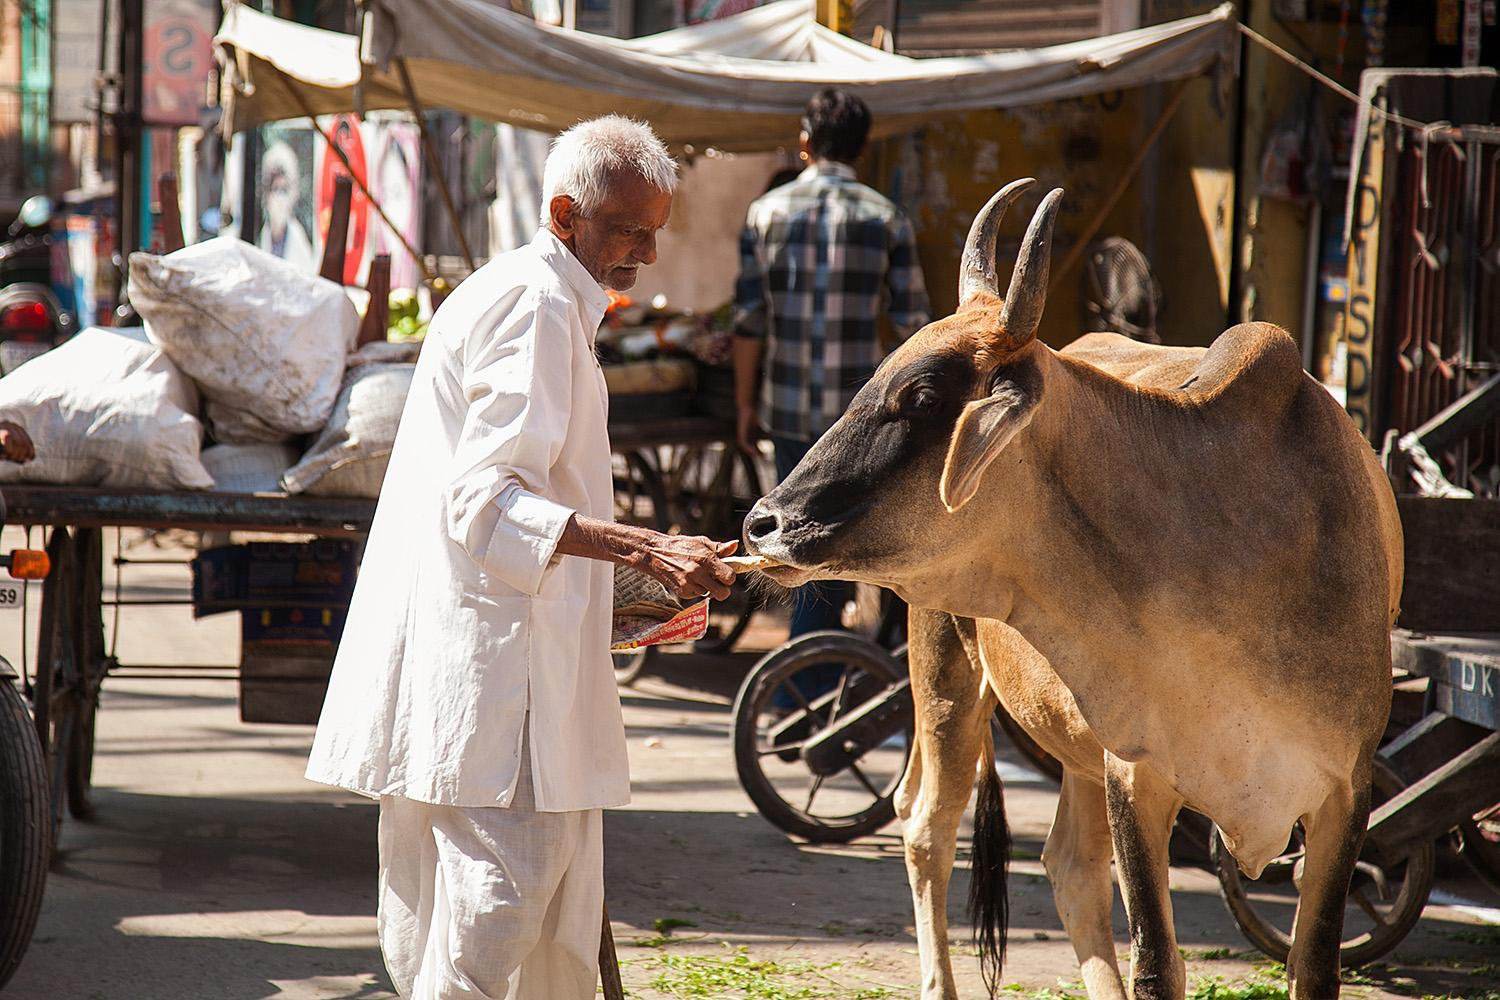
point(829, 168)
point(591, 297)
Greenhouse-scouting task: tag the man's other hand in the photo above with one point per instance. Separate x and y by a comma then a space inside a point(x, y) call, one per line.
point(15, 443)
point(747, 428)
point(690, 566)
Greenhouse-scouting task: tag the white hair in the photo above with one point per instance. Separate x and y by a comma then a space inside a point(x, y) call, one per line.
point(585, 159)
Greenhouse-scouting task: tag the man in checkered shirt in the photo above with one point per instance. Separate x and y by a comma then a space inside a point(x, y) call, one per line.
point(819, 259)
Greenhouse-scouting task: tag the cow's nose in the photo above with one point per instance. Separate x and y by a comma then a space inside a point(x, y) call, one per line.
point(762, 524)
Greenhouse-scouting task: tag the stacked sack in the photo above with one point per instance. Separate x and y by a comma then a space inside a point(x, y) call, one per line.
point(261, 349)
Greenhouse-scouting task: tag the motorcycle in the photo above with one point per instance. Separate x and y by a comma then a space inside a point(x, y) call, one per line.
point(32, 319)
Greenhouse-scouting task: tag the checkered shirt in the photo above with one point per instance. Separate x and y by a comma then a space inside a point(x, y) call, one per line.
point(819, 257)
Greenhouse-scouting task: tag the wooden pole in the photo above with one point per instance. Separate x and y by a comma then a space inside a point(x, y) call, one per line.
point(171, 213)
point(336, 240)
point(1080, 244)
point(433, 163)
point(378, 312)
point(609, 963)
point(312, 116)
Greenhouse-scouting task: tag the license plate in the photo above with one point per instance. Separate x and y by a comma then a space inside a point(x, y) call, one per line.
point(10, 596)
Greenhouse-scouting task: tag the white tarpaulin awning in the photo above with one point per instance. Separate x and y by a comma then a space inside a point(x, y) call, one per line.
point(737, 84)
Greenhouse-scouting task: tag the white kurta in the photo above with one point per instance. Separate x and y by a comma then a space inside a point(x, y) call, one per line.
point(463, 619)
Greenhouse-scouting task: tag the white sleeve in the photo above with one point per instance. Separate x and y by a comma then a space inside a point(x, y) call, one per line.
point(518, 381)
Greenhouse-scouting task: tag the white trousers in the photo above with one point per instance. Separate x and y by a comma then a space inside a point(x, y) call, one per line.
point(491, 903)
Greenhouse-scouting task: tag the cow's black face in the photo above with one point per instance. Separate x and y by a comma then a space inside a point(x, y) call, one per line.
point(858, 505)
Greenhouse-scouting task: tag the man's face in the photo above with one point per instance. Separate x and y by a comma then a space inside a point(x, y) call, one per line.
point(614, 242)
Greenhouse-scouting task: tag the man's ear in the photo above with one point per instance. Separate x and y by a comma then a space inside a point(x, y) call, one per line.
point(984, 428)
point(561, 211)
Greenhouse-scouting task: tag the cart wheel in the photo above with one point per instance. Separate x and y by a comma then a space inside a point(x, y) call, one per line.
point(54, 701)
point(712, 488)
point(25, 828)
point(1383, 905)
point(89, 613)
point(1482, 853)
point(792, 694)
point(630, 665)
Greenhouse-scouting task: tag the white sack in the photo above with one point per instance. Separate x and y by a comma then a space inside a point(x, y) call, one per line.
point(264, 342)
point(349, 458)
point(248, 468)
point(106, 409)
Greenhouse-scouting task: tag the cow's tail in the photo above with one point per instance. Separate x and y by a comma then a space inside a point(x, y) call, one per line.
point(989, 906)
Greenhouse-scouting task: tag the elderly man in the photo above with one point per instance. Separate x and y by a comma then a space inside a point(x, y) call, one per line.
point(473, 693)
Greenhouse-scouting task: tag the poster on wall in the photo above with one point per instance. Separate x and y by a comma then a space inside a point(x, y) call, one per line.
point(178, 59)
point(284, 191)
point(347, 135)
point(396, 169)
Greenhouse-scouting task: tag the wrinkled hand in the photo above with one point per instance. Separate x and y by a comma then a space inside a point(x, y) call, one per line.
point(689, 565)
point(15, 443)
point(747, 429)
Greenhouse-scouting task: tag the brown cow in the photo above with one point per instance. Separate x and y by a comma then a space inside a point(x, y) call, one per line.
point(1177, 568)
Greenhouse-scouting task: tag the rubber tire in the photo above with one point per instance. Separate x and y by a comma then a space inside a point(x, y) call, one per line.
point(1421, 865)
point(631, 665)
point(25, 828)
point(803, 651)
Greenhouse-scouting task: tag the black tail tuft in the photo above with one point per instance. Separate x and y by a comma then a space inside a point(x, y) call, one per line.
point(989, 906)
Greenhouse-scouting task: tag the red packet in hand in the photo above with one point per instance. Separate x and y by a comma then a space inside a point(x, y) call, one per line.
point(688, 625)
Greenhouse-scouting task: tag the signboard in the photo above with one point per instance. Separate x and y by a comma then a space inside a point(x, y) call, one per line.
point(178, 59)
point(75, 46)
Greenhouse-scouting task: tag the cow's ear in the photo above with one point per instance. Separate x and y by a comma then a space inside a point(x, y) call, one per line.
point(984, 428)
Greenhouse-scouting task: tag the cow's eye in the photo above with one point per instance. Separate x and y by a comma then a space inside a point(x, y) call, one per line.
point(923, 399)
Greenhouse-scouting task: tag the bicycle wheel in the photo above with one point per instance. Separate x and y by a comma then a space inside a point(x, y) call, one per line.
point(54, 696)
point(1383, 905)
point(792, 695)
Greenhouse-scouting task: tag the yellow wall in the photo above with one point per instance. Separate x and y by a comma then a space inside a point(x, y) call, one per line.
point(1176, 209)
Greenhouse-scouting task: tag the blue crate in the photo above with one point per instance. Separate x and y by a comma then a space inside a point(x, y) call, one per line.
point(275, 574)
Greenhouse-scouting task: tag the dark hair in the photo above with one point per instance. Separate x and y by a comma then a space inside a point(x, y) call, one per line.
point(783, 176)
point(836, 123)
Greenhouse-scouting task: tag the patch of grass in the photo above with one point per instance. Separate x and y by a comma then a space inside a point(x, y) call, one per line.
point(1267, 983)
point(1211, 954)
point(1484, 935)
point(739, 975)
point(666, 925)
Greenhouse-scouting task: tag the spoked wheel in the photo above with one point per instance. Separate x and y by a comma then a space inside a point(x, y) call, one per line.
point(797, 694)
point(25, 827)
point(712, 488)
point(1384, 901)
point(640, 498)
point(55, 701)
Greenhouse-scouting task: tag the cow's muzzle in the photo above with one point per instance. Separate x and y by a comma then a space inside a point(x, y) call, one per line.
point(765, 535)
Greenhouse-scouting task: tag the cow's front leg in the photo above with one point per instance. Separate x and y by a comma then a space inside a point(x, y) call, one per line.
point(1077, 861)
point(952, 721)
point(1142, 809)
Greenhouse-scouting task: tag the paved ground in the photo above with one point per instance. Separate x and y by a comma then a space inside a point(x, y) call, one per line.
point(214, 872)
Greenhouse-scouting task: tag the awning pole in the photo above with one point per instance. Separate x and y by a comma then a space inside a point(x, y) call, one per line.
point(1080, 244)
point(427, 274)
point(433, 163)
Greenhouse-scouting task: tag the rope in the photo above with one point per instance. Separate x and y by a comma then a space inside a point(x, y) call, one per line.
point(428, 274)
point(1335, 86)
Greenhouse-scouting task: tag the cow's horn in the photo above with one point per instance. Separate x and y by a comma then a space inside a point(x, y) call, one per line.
point(977, 268)
point(1027, 295)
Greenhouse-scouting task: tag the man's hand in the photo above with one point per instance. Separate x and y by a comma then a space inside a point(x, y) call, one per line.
point(689, 566)
point(15, 443)
point(747, 428)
